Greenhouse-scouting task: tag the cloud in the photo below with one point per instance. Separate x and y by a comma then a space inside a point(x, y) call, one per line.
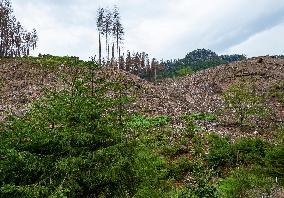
point(163, 28)
point(262, 43)
point(257, 20)
point(228, 23)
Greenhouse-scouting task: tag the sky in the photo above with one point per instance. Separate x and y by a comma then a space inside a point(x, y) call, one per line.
point(165, 29)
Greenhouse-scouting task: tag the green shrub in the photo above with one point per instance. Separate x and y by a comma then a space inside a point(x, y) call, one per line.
point(242, 100)
point(244, 183)
point(52, 62)
point(250, 151)
point(27, 191)
point(184, 71)
point(190, 122)
point(171, 150)
point(244, 151)
point(198, 146)
point(199, 116)
point(220, 153)
point(199, 184)
point(180, 167)
point(274, 160)
point(144, 122)
point(277, 92)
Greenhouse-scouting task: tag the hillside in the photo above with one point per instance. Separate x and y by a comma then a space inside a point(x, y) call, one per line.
point(202, 91)
point(23, 82)
point(174, 139)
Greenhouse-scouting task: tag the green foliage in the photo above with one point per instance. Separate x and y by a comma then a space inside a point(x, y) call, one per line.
point(180, 167)
point(244, 151)
point(277, 92)
point(250, 150)
point(251, 162)
point(190, 122)
point(25, 191)
point(198, 148)
point(202, 189)
point(205, 64)
point(242, 100)
point(184, 71)
point(144, 122)
point(274, 160)
point(219, 151)
point(50, 61)
point(199, 116)
point(243, 168)
point(196, 60)
point(171, 149)
point(199, 183)
point(244, 183)
point(180, 143)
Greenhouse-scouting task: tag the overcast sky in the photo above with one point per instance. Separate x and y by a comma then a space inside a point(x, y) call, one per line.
point(163, 28)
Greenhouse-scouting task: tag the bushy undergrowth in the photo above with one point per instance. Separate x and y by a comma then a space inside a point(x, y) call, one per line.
point(244, 151)
point(143, 122)
point(246, 105)
point(248, 164)
point(212, 166)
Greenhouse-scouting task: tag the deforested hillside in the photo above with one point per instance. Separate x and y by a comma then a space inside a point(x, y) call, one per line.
point(201, 91)
point(215, 133)
point(24, 80)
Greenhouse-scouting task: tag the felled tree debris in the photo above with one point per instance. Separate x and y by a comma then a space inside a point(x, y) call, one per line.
point(22, 83)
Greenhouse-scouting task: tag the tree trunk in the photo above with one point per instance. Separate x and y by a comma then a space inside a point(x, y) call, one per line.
point(106, 40)
point(112, 53)
point(117, 39)
point(119, 66)
point(100, 49)
point(108, 52)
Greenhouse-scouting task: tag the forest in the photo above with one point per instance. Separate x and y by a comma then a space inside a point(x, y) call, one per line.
point(127, 125)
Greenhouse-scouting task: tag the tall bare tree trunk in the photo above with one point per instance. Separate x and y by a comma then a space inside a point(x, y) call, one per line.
point(106, 43)
point(112, 53)
point(108, 52)
point(119, 66)
point(100, 49)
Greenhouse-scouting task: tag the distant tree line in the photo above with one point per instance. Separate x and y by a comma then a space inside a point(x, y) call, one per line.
point(280, 56)
point(15, 41)
point(151, 69)
point(197, 60)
